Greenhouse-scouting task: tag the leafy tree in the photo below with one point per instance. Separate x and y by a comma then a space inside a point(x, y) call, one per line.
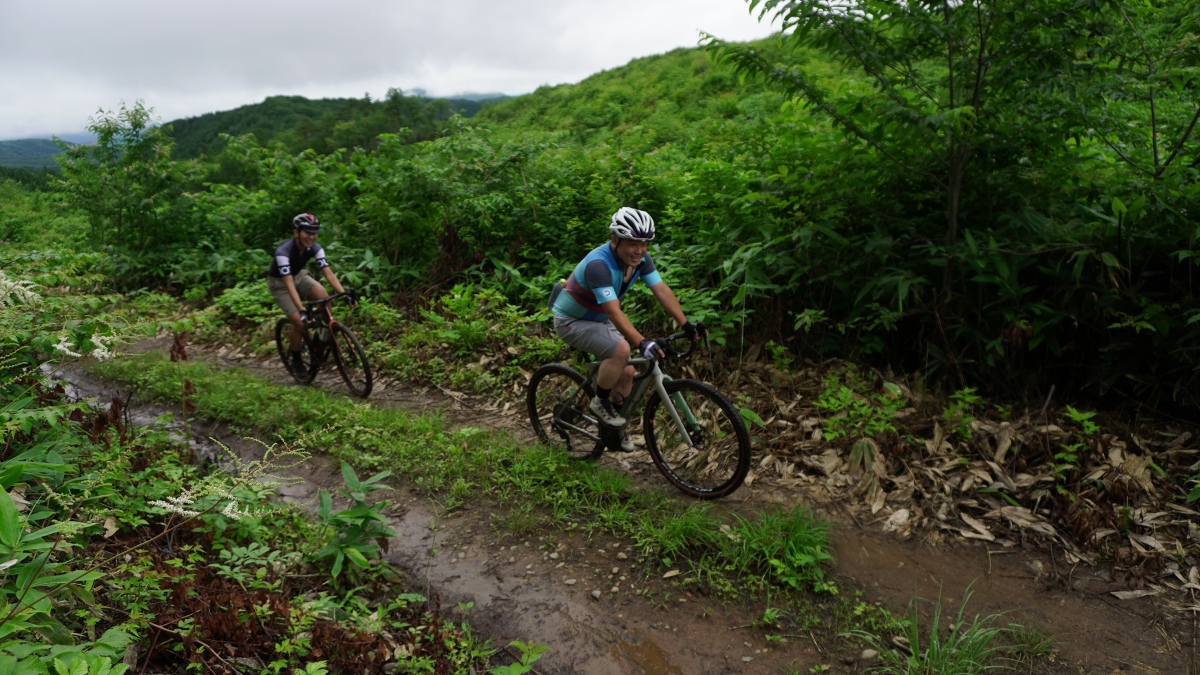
point(937, 80)
point(131, 190)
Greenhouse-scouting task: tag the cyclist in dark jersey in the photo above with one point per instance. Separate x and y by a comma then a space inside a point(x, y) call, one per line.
point(290, 282)
point(588, 316)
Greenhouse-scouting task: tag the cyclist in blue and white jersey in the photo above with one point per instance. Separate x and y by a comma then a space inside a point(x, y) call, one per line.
point(588, 316)
point(290, 282)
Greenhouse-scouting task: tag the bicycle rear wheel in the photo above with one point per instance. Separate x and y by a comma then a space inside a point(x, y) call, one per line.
point(558, 404)
point(717, 460)
point(352, 361)
point(308, 360)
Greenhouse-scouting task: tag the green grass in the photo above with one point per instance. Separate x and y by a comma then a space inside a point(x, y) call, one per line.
point(964, 646)
point(768, 550)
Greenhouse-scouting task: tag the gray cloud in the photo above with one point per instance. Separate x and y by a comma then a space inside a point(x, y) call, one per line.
point(61, 60)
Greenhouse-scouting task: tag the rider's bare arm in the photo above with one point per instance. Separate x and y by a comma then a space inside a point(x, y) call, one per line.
point(332, 279)
point(666, 297)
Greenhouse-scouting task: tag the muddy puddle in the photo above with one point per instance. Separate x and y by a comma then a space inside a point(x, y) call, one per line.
point(544, 590)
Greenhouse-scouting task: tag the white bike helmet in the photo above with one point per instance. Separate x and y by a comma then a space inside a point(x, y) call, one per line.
point(630, 223)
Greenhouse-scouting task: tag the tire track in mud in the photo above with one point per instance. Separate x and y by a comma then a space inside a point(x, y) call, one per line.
point(521, 593)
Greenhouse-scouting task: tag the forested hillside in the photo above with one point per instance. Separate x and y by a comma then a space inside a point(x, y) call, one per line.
point(33, 153)
point(323, 125)
point(1017, 226)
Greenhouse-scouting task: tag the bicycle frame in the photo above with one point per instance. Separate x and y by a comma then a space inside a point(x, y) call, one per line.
point(322, 317)
point(655, 377)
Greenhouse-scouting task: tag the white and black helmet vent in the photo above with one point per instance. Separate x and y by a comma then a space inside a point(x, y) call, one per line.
point(630, 223)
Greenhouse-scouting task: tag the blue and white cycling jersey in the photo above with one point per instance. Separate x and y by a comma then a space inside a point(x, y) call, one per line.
point(289, 259)
point(597, 279)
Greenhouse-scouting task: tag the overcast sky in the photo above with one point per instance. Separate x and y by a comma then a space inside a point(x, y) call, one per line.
point(62, 60)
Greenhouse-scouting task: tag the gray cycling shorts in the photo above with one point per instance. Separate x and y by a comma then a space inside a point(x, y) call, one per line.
point(598, 338)
point(304, 285)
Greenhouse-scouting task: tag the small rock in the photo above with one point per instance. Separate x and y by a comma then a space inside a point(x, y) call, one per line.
point(570, 582)
point(512, 560)
point(868, 655)
point(529, 566)
point(616, 570)
point(622, 556)
point(461, 555)
point(747, 659)
point(554, 556)
point(615, 589)
point(595, 595)
point(559, 565)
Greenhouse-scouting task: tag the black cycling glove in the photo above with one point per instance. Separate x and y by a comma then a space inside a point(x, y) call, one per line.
point(650, 349)
point(694, 330)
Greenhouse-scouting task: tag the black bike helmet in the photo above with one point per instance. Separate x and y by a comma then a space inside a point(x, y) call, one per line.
point(306, 222)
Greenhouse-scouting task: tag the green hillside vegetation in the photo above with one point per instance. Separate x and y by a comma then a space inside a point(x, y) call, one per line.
point(33, 153)
point(323, 125)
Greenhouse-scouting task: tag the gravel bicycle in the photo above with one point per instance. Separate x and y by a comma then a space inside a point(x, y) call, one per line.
point(694, 435)
point(322, 339)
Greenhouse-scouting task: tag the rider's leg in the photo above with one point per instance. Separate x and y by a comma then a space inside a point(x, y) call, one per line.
point(307, 288)
point(612, 369)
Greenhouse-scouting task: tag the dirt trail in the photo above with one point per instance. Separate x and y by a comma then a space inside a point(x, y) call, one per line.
point(541, 590)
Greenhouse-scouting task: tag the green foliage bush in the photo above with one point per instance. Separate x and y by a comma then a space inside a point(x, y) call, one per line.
point(249, 302)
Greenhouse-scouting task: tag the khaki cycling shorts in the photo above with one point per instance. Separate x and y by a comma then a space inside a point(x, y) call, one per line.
point(304, 285)
point(598, 338)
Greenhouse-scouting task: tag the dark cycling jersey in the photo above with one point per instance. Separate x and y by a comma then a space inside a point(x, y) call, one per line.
point(289, 259)
point(600, 278)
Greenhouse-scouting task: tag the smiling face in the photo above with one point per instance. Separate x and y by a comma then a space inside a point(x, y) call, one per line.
point(629, 251)
point(305, 239)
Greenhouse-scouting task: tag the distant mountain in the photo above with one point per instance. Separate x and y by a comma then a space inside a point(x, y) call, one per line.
point(31, 153)
point(322, 124)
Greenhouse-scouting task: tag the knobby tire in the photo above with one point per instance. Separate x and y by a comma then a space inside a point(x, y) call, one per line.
point(282, 328)
point(352, 361)
point(557, 389)
point(718, 461)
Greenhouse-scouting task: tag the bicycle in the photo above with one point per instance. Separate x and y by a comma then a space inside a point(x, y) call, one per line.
point(324, 336)
point(694, 434)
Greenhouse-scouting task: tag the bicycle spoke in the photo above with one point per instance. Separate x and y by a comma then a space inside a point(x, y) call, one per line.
point(351, 361)
point(557, 405)
point(707, 459)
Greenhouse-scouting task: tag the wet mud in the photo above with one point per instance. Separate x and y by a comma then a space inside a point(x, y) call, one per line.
point(542, 589)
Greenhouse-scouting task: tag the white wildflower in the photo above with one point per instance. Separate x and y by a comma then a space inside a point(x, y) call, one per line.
point(233, 512)
point(178, 504)
point(64, 345)
point(17, 291)
point(102, 342)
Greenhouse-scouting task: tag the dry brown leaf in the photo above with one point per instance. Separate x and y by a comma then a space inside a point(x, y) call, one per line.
point(938, 445)
point(1183, 509)
point(1149, 541)
point(672, 573)
point(878, 497)
point(1133, 595)
point(981, 531)
point(1024, 519)
point(110, 527)
point(897, 520)
point(1002, 476)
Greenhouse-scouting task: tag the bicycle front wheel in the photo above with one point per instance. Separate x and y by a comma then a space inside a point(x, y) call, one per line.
point(716, 460)
point(352, 361)
point(558, 410)
point(308, 361)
